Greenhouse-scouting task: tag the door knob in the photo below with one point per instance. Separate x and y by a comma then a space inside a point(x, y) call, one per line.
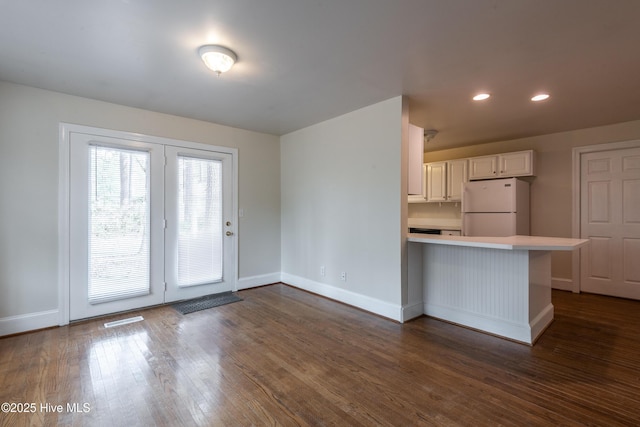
point(229, 233)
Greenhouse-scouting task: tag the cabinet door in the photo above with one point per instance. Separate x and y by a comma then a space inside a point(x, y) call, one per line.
point(437, 182)
point(456, 176)
point(420, 198)
point(483, 167)
point(416, 159)
point(519, 163)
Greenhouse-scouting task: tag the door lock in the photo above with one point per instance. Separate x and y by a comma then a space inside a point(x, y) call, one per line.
point(229, 233)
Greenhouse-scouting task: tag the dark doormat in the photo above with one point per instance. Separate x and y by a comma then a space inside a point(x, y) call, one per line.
point(202, 303)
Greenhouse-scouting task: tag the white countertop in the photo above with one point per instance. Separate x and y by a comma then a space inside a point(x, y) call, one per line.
point(435, 223)
point(533, 243)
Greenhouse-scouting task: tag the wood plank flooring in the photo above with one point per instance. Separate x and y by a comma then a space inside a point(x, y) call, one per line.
point(286, 357)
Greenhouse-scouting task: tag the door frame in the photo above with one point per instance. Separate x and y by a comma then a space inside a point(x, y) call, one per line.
point(576, 187)
point(64, 165)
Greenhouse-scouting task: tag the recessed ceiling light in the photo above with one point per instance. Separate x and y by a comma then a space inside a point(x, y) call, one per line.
point(481, 97)
point(540, 97)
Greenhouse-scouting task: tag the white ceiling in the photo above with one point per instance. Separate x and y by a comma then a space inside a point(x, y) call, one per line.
point(305, 61)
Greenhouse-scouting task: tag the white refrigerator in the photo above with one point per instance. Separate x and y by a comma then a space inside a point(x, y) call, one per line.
point(496, 207)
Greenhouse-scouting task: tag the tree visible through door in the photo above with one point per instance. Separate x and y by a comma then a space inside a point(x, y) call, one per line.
point(199, 221)
point(119, 223)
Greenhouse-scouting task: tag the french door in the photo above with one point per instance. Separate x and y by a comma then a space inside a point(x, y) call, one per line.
point(198, 223)
point(149, 223)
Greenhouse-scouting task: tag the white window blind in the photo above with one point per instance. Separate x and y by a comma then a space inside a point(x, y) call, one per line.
point(200, 253)
point(119, 224)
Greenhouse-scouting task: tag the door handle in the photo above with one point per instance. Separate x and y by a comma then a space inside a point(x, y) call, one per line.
point(229, 233)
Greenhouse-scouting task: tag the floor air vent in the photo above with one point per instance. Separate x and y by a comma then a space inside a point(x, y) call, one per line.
point(123, 321)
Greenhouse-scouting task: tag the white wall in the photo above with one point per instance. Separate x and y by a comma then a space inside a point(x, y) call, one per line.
point(29, 144)
point(342, 201)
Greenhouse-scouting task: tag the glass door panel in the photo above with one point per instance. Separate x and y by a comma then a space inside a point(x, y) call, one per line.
point(199, 221)
point(119, 222)
point(198, 252)
point(116, 225)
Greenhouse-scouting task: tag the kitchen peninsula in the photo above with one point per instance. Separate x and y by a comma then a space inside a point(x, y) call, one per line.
point(499, 285)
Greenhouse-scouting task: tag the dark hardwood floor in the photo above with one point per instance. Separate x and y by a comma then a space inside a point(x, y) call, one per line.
point(286, 357)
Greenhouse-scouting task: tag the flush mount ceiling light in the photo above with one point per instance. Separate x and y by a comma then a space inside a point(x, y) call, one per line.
point(540, 97)
point(481, 96)
point(217, 58)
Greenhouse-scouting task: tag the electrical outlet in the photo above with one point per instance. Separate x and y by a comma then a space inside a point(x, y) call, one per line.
point(343, 276)
point(323, 271)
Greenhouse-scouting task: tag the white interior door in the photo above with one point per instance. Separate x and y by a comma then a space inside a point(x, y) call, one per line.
point(610, 219)
point(199, 230)
point(115, 225)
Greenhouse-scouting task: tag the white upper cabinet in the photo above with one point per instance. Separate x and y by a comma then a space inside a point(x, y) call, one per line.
point(416, 160)
point(445, 179)
point(519, 163)
point(437, 182)
point(456, 176)
point(421, 198)
point(483, 167)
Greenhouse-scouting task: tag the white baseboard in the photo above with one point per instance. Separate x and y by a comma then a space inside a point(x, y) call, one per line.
point(259, 280)
point(373, 305)
point(46, 319)
point(29, 322)
point(541, 322)
point(561, 284)
point(500, 327)
point(411, 311)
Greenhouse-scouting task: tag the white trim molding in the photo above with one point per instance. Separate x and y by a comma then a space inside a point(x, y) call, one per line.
point(259, 280)
point(524, 333)
point(373, 305)
point(28, 322)
point(412, 311)
point(562, 284)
